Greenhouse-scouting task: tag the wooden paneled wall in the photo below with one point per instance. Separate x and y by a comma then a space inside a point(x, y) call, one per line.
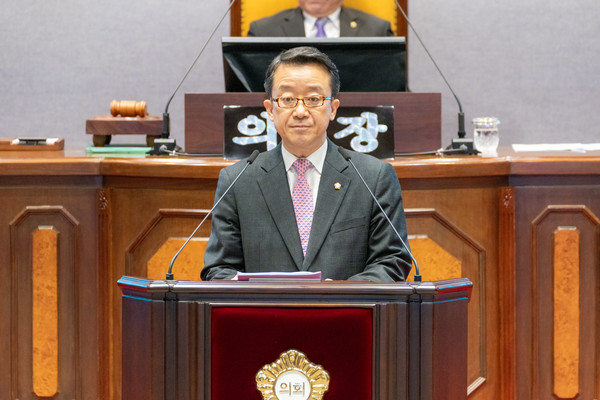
point(558, 263)
point(526, 232)
point(52, 326)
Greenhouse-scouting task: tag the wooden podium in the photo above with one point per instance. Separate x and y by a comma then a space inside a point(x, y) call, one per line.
point(207, 340)
point(417, 117)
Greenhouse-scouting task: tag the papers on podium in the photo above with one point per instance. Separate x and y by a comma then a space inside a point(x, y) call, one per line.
point(299, 276)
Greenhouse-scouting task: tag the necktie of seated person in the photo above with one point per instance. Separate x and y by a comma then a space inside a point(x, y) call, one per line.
point(320, 24)
point(303, 201)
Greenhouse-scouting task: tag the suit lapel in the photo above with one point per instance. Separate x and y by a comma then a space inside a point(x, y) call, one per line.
point(329, 200)
point(294, 24)
point(349, 23)
point(272, 181)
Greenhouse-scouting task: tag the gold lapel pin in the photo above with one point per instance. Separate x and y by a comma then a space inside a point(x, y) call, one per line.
point(353, 24)
point(337, 186)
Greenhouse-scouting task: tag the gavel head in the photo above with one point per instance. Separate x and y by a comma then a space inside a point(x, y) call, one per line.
point(128, 108)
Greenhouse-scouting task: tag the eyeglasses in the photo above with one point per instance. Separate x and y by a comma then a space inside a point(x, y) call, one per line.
point(292, 102)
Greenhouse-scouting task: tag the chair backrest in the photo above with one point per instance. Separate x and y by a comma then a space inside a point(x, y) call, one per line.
point(245, 11)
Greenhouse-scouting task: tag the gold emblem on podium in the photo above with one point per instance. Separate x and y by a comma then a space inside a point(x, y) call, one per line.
point(292, 377)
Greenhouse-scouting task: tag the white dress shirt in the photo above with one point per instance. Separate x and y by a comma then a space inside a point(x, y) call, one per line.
point(332, 27)
point(313, 174)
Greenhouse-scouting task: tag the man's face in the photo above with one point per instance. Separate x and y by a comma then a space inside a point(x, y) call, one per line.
point(319, 8)
point(303, 130)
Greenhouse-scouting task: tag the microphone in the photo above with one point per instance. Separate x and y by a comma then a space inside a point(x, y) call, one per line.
point(461, 143)
point(346, 154)
point(249, 161)
point(164, 144)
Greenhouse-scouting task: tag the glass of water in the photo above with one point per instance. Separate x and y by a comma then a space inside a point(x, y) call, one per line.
point(485, 135)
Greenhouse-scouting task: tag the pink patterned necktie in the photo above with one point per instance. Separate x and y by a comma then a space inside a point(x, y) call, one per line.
point(303, 201)
point(320, 24)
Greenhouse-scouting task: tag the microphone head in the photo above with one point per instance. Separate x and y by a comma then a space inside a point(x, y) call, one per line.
point(253, 156)
point(345, 153)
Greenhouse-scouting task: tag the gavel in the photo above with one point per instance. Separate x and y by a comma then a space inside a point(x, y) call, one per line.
point(128, 108)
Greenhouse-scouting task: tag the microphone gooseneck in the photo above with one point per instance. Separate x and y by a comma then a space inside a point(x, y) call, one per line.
point(346, 154)
point(461, 114)
point(249, 161)
point(166, 123)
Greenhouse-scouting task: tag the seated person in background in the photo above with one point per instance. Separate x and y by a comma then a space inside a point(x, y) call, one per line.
point(337, 21)
point(266, 222)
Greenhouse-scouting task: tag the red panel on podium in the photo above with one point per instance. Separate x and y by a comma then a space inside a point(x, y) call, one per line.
point(245, 339)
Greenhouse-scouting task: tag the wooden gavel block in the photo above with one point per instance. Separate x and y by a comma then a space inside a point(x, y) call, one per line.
point(127, 117)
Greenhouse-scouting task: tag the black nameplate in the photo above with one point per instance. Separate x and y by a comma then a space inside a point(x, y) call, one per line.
point(367, 130)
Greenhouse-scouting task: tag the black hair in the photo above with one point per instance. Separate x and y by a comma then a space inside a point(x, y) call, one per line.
point(302, 56)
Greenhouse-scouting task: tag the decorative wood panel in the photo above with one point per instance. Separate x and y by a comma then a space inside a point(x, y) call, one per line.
point(188, 264)
point(138, 204)
point(443, 250)
point(566, 312)
point(104, 274)
point(438, 262)
point(565, 240)
point(507, 289)
point(152, 250)
point(44, 312)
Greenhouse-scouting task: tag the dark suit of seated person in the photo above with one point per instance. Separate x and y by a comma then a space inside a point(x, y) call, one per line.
point(341, 21)
point(258, 226)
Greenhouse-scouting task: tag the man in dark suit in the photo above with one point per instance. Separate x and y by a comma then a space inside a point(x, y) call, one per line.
point(258, 226)
point(337, 19)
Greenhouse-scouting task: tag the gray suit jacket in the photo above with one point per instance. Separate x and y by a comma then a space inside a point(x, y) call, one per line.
point(290, 22)
point(254, 227)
